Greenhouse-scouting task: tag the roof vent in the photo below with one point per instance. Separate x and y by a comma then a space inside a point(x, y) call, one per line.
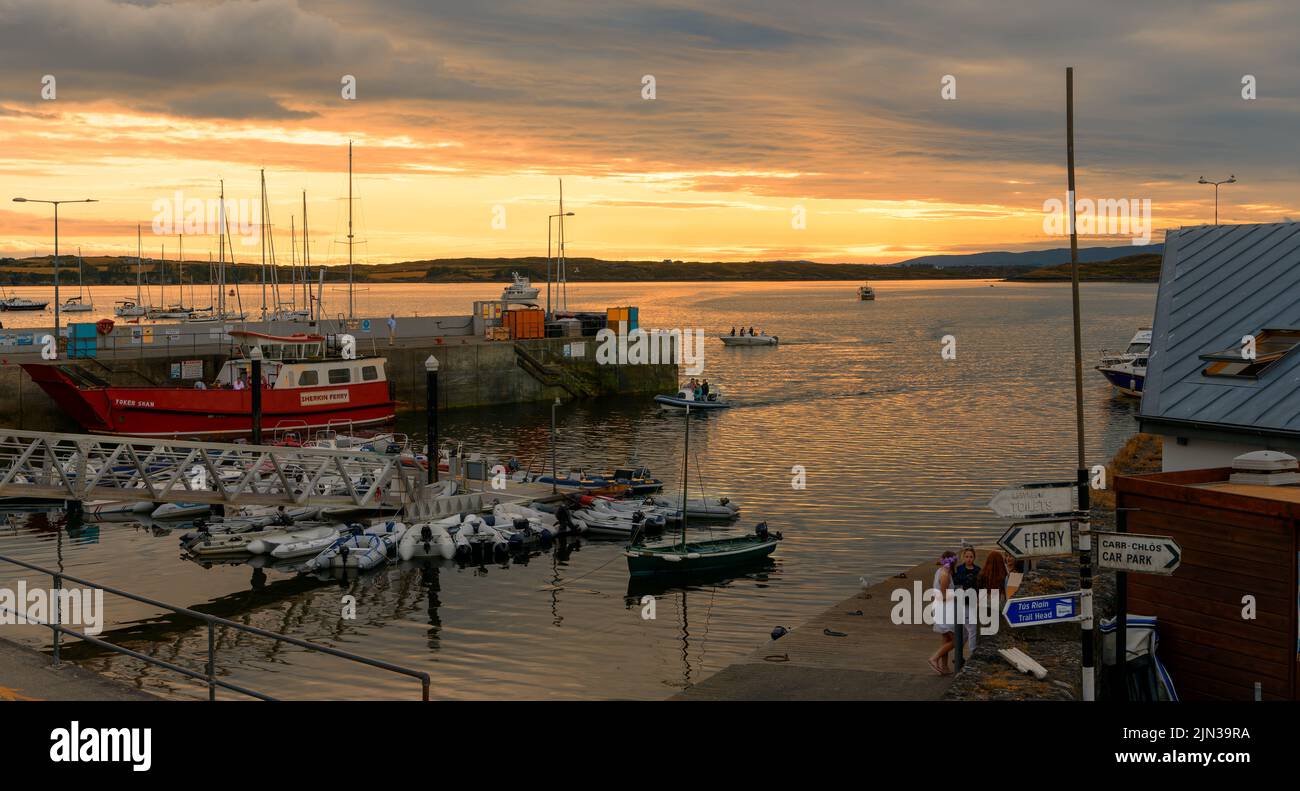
point(1265, 467)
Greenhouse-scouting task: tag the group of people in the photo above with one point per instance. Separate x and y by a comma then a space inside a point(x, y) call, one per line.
point(960, 572)
point(750, 332)
point(699, 389)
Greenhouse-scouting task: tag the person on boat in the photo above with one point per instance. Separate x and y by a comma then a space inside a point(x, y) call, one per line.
point(704, 389)
point(965, 576)
point(942, 584)
point(240, 384)
point(733, 330)
point(200, 385)
point(751, 331)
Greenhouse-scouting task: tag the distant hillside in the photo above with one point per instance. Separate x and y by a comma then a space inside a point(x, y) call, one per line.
point(1143, 267)
point(1032, 258)
point(121, 270)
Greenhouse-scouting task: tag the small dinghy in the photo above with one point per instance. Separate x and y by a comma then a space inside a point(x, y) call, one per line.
point(180, 510)
point(616, 525)
point(476, 538)
point(696, 507)
point(389, 532)
point(111, 510)
point(354, 551)
point(685, 398)
point(429, 540)
point(266, 542)
point(308, 547)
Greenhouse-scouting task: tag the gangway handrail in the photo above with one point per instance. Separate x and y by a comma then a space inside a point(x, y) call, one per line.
point(212, 621)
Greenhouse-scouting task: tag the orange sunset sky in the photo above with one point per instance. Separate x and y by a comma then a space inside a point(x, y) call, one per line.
point(760, 108)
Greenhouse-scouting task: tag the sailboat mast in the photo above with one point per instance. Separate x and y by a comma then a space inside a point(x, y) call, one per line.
point(180, 270)
point(263, 211)
point(139, 300)
point(686, 469)
point(221, 265)
point(563, 287)
point(293, 264)
point(351, 304)
point(306, 259)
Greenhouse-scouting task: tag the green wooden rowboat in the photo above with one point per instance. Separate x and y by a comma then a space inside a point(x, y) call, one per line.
point(693, 557)
point(700, 556)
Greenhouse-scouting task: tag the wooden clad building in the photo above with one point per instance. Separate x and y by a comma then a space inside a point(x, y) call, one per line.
point(1238, 541)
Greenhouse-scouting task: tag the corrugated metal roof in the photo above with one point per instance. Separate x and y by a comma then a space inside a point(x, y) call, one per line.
point(1219, 283)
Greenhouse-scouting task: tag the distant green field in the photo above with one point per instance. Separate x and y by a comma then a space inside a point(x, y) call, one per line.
point(1143, 268)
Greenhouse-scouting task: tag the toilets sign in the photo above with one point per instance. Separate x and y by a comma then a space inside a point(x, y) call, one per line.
point(1139, 553)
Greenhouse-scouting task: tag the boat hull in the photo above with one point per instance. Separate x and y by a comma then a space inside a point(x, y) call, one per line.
point(187, 412)
point(700, 557)
point(673, 402)
point(1126, 382)
point(748, 340)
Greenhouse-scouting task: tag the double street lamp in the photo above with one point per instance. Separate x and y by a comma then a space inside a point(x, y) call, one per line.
point(1228, 180)
point(55, 204)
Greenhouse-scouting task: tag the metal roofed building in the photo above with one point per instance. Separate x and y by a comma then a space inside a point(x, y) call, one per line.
point(1223, 376)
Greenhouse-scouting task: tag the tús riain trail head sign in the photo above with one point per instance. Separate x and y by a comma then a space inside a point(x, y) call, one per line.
point(1034, 500)
point(1140, 553)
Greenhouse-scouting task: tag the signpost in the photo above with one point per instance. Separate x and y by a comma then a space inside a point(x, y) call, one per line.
point(1141, 553)
point(1040, 610)
point(1034, 500)
point(1049, 539)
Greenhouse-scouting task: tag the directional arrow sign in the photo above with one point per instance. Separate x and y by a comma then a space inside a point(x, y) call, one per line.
point(1134, 552)
point(1038, 610)
point(1037, 540)
point(1034, 500)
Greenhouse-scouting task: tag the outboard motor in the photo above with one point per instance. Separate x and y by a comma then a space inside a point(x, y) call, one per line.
point(522, 525)
point(761, 531)
point(426, 536)
point(564, 519)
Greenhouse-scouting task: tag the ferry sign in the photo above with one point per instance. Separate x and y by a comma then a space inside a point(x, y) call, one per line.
point(1034, 500)
point(1041, 610)
point(1140, 553)
point(1038, 540)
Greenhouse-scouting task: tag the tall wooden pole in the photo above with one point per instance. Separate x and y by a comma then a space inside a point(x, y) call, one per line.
point(1085, 534)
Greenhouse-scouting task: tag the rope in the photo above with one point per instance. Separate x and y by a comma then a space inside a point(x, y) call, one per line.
point(564, 583)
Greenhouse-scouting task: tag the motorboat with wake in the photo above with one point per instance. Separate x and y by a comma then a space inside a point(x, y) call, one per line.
point(686, 398)
point(1127, 370)
point(744, 339)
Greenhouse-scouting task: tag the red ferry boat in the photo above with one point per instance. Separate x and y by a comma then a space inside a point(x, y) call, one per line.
point(303, 388)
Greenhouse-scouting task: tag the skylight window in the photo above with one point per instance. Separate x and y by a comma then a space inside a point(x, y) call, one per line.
point(1271, 345)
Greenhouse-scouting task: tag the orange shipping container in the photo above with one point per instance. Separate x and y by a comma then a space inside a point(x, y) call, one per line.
point(524, 324)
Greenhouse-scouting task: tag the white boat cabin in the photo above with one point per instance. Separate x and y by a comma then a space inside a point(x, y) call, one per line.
point(296, 361)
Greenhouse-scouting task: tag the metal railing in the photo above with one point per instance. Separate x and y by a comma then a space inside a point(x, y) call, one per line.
point(209, 676)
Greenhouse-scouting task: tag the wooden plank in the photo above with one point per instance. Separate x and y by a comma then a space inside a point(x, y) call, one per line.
point(1240, 526)
point(1271, 613)
point(1203, 497)
point(1236, 558)
point(1229, 667)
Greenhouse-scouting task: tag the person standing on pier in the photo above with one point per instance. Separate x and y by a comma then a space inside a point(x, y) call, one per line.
point(965, 577)
point(942, 584)
point(392, 327)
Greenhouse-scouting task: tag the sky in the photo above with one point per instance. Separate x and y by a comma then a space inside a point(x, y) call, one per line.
point(827, 130)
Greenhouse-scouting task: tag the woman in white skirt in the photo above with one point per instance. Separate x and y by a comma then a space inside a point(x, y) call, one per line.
point(942, 584)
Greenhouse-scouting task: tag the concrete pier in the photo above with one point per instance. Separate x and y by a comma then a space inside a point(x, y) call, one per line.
point(26, 674)
point(473, 371)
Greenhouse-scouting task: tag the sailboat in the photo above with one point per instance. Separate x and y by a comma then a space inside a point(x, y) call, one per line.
point(694, 557)
point(222, 313)
point(177, 311)
point(129, 309)
point(78, 304)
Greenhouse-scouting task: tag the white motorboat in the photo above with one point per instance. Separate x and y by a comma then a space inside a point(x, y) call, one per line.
point(1127, 370)
point(749, 340)
point(686, 398)
point(519, 290)
point(866, 293)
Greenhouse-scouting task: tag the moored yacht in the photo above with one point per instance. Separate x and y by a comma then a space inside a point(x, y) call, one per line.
point(520, 289)
point(1127, 370)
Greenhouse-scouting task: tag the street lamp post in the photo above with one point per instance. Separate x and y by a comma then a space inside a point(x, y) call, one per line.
point(55, 204)
point(1229, 180)
point(431, 416)
point(255, 356)
point(548, 259)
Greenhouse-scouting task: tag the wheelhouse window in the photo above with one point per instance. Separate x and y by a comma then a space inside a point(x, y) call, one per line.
point(308, 379)
point(1271, 345)
point(340, 376)
point(369, 373)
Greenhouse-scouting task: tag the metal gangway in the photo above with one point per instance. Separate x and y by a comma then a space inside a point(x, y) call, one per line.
point(79, 468)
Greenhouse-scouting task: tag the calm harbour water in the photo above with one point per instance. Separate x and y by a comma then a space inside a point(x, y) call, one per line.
point(901, 448)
